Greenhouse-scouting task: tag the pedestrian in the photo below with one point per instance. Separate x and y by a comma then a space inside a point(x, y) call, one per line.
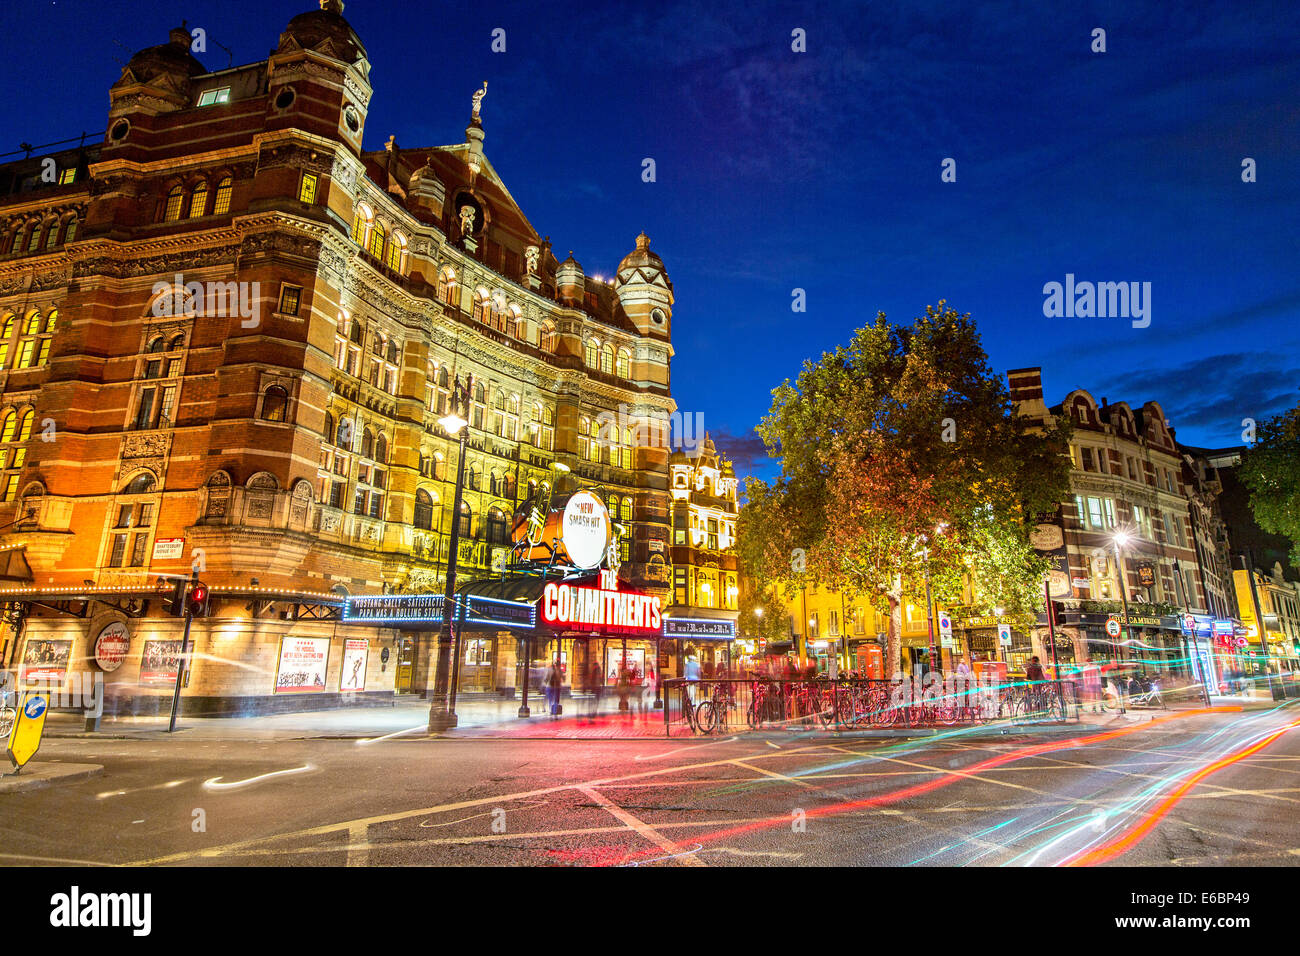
point(624, 687)
point(596, 680)
point(692, 674)
point(1034, 671)
point(648, 689)
point(552, 683)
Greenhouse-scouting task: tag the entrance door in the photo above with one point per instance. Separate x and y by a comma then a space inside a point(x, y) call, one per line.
point(405, 665)
point(477, 666)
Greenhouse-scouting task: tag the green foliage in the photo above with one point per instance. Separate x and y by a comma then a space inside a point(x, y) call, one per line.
point(1270, 469)
point(875, 495)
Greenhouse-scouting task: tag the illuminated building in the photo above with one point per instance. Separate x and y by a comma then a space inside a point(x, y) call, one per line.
point(228, 334)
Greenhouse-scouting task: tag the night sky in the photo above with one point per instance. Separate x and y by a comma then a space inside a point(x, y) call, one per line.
point(821, 170)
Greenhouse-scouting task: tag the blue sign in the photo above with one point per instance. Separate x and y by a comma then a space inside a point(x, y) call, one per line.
point(35, 706)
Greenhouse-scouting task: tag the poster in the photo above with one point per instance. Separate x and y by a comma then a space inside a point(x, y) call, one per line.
point(635, 660)
point(111, 646)
point(159, 662)
point(303, 661)
point(45, 661)
point(353, 674)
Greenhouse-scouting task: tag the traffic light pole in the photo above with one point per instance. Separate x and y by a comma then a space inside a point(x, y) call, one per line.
point(185, 652)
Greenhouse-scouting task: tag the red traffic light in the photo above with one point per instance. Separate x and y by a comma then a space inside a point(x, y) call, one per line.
point(198, 600)
point(199, 594)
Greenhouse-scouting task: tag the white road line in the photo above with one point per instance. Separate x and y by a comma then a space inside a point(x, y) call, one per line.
point(644, 829)
point(358, 845)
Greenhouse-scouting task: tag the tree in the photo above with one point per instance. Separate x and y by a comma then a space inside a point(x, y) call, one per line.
point(902, 458)
point(1270, 469)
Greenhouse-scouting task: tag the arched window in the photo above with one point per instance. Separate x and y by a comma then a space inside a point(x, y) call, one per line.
point(52, 234)
point(360, 223)
point(9, 426)
point(625, 513)
point(471, 480)
point(141, 484)
point(343, 434)
point(498, 531)
point(381, 449)
point(447, 285)
point(546, 337)
point(623, 367)
point(177, 342)
point(34, 239)
point(33, 325)
point(423, 510)
point(376, 245)
point(439, 466)
point(367, 443)
point(483, 306)
point(627, 448)
point(199, 201)
point(25, 428)
point(172, 210)
point(511, 484)
point(607, 360)
point(329, 425)
point(466, 519)
point(396, 252)
point(70, 230)
point(592, 353)
point(514, 323)
point(275, 404)
point(532, 487)
point(224, 189)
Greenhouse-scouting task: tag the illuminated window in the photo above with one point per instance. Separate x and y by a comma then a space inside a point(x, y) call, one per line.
point(360, 223)
point(607, 360)
point(70, 230)
point(377, 237)
point(275, 404)
point(215, 97)
point(172, 211)
point(67, 177)
point(199, 200)
point(396, 251)
point(307, 188)
point(623, 367)
point(290, 296)
point(34, 240)
point(591, 354)
point(224, 189)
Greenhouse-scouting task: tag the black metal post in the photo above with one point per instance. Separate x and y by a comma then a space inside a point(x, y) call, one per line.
point(185, 650)
point(442, 710)
point(659, 679)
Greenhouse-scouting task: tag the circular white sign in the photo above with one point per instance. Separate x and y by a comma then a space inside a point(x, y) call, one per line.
point(585, 530)
point(1112, 627)
point(111, 646)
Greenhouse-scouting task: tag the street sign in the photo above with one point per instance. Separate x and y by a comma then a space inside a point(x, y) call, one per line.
point(1189, 622)
point(945, 626)
point(25, 738)
point(1004, 633)
point(1112, 627)
point(1241, 642)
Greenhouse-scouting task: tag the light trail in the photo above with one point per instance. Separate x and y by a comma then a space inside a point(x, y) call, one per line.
point(214, 783)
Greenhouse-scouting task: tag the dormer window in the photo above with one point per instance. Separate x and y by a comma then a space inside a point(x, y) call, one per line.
point(215, 97)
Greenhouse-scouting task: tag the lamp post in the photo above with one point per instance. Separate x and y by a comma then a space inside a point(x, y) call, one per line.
point(442, 708)
point(1120, 540)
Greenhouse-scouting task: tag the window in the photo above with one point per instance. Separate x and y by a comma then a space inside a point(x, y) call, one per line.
point(139, 544)
point(1094, 512)
point(224, 189)
point(376, 244)
point(172, 210)
point(70, 230)
point(34, 239)
point(275, 404)
point(68, 176)
point(466, 519)
point(361, 224)
point(1086, 454)
point(215, 97)
point(396, 252)
point(290, 296)
point(623, 367)
point(141, 484)
point(118, 552)
point(625, 513)
point(423, 510)
point(498, 531)
point(592, 353)
point(607, 360)
point(307, 189)
point(198, 200)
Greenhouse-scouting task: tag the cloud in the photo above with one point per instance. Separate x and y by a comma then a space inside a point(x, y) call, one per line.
point(747, 452)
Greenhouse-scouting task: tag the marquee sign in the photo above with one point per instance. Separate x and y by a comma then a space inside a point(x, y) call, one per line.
point(600, 608)
point(376, 608)
point(699, 628)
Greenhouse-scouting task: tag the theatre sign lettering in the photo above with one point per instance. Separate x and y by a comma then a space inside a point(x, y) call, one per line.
point(600, 608)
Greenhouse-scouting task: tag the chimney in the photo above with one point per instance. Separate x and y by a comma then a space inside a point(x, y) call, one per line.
point(1026, 384)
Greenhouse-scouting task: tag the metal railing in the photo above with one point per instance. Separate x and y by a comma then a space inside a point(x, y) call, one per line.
point(718, 706)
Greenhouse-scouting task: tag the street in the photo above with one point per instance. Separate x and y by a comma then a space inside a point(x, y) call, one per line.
point(1186, 788)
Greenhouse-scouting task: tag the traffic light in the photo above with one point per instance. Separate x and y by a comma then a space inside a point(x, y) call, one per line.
point(1058, 613)
point(173, 593)
point(198, 599)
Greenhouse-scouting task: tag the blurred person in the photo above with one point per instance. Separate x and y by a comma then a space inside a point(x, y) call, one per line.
point(1034, 671)
point(552, 684)
point(691, 672)
point(596, 680)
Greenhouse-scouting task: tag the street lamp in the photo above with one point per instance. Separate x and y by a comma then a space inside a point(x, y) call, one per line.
point(442, 708)
point(1120, 541)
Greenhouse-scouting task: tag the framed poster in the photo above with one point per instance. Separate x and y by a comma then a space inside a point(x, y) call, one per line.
point(111, 645)
point(614, 657)
point(303, 662)
point(159, 661)
point(353, 674)
point(45, 661)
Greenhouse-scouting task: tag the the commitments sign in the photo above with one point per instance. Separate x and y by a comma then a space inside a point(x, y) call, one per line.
point(697, 627)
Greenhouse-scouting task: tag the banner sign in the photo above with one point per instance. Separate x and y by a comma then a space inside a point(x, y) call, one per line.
point(486, 610)
point(600, 609)
point(380, 608)
point(699, 627)
point(352, 676)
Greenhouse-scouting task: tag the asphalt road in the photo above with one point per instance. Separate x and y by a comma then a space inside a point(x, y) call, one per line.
point(1209, 790)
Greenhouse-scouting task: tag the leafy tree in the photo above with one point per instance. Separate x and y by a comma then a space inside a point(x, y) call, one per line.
point(1270, 469)
point(902, 458)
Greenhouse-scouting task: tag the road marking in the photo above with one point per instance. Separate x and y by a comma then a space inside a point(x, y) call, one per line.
point(778, 776)
point(669, 753)
point(358, 846)
point(644, 829)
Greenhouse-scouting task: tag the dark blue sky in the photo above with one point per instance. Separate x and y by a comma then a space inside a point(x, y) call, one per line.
point(821, 170)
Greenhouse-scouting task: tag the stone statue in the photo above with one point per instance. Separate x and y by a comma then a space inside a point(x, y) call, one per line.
point(478, 98)
point(530, 259)
point(467, 220)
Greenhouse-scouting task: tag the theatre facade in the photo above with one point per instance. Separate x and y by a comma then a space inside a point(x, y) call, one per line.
point(228, 334)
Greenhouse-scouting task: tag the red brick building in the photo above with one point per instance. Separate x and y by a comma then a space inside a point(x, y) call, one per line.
point(228, 334)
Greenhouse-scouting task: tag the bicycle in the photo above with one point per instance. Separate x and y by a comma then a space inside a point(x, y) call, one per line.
point(704, 717)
